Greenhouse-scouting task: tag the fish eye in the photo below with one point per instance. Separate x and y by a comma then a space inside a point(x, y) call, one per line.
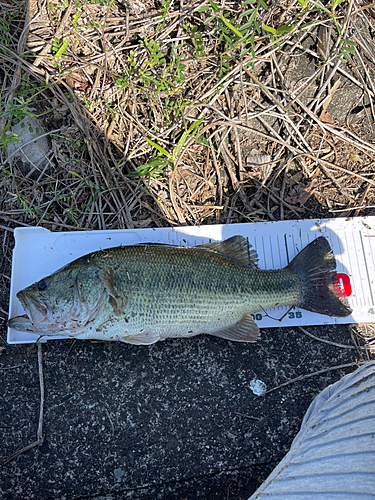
point(42, 285)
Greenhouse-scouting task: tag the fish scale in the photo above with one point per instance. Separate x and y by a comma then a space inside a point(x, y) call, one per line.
point(191, 292)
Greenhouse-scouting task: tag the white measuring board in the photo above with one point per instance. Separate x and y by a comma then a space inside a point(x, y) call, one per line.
point(39, 252)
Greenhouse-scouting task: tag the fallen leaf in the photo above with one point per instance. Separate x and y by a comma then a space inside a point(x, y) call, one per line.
point(325, 117)
point(307, 191)
point(302, 192)
point(260, 164)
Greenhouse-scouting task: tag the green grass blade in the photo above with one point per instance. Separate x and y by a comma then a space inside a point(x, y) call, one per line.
point(230, 26)
point(159, 148)
point(62, 49)
point(246, 13)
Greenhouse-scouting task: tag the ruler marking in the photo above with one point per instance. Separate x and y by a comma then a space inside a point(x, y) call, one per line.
point(273, 261)
point(286, 248)
point(350, 270)
point(265, 254)
point(368, 275)
point(278, 248)
point(372, 252)
point(294, 247)
point(300, 239)
point(362, 300)
point(339, 250)
point(256, 247)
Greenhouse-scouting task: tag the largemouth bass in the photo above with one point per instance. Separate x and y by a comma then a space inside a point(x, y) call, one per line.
point(145, 293)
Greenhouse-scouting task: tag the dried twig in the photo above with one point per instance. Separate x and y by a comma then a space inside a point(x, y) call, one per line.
point(39, 435)
point(247, 416)
point(343, 346)
point(309, 375)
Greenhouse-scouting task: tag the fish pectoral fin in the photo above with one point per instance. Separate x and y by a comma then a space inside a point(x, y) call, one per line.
point(237, 249)
point(108, 282)
point(141, 338)
point(77, 292)
point(245, 330)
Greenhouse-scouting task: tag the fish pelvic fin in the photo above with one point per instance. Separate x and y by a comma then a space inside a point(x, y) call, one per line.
point(236, 249)
point(245, 330)
point(315, 265)
point(141, 338)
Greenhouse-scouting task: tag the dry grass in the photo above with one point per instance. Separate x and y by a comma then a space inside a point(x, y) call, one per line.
point(267, 145)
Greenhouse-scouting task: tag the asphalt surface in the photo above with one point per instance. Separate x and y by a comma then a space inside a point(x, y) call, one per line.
point(175, 420)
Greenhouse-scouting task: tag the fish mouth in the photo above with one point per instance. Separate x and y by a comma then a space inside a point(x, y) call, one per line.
point(21, 324)
point(36, 310)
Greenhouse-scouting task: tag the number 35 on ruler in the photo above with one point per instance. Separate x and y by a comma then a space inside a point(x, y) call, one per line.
point(291, 315)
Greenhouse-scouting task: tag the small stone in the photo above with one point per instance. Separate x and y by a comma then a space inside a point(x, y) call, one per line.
point(118, 474)
point(258, 387)
point(7, 406)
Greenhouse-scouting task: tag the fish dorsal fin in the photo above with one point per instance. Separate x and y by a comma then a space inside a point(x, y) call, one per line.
point(237, 250)
point(245, 330)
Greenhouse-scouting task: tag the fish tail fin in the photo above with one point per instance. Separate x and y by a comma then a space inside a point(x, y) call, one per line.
point(316, 267)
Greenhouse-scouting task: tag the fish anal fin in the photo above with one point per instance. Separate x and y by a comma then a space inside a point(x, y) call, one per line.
point(141, 338)
point(245, 330)
point(237, 250)
point(108, 282)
